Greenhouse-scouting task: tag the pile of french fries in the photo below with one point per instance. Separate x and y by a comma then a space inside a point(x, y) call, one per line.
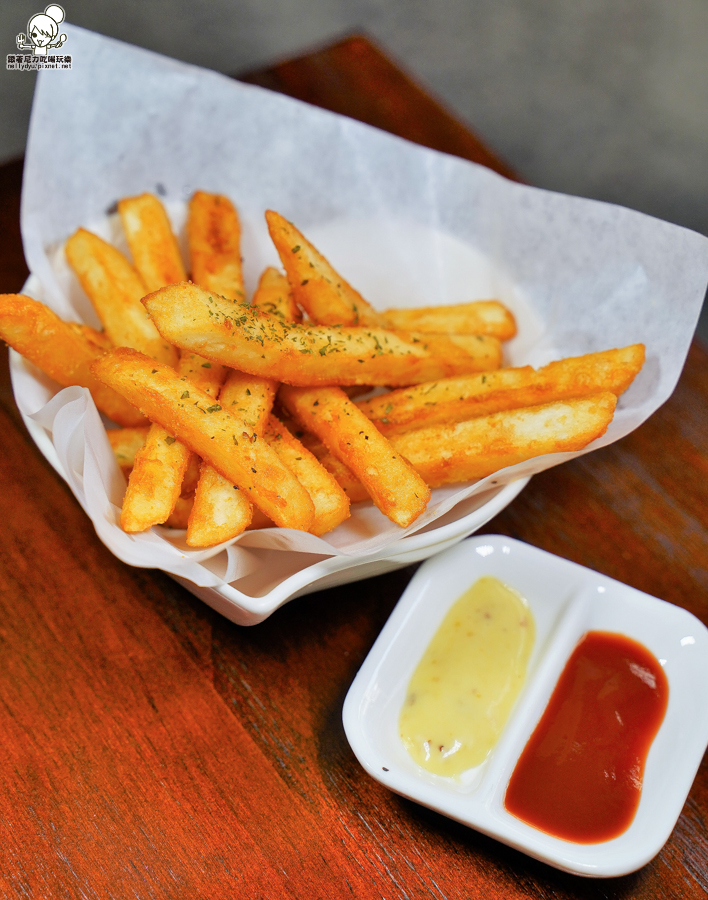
point(285, 408)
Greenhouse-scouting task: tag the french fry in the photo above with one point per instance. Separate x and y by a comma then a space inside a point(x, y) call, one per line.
point(221, 511)
point(457, 399)
point(330, 300)
point(155, 481)
point(246, 338)
point(152, 244)
point(273, 295)
point(214, 235)
point(476, 317)
point(327, 298)
point(157, 478)
point(392, 484)
point(477, 448)
point(217, 436)
point(330, 501)
point(115, 289)
point(63, 351)
point(126, 442)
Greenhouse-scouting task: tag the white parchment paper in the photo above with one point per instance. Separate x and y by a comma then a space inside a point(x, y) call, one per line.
point(405, 225)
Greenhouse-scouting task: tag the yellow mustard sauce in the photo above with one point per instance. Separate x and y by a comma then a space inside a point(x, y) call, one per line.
point(464, 687)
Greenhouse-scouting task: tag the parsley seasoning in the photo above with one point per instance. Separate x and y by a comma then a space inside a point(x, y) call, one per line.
point(185, 395)
point(170, 440)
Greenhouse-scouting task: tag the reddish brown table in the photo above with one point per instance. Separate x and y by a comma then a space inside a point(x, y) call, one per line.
point(152, 749)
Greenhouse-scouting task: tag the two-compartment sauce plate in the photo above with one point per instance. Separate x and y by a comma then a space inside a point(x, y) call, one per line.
point(567, 601)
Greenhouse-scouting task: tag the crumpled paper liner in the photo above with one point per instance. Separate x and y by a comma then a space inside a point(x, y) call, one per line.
point(404, 224)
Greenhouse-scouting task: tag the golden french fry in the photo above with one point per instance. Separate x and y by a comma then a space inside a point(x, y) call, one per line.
point(452, 400)
point(330, 501)
point(155, 482)
point(214, 236)
point(392, 484)
point(221, 511)
point(477, 448)
point(476, 317)
point(115, 289)
point(152, 244)
point(327, 298)
point(63, 351)
point(273, 295)
point(217, 436)
point(246, 338)
point(125, 443)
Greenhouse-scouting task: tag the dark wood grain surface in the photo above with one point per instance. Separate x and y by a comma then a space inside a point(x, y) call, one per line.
point(152, 749)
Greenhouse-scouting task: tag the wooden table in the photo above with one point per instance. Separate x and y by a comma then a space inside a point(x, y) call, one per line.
point(152, 749)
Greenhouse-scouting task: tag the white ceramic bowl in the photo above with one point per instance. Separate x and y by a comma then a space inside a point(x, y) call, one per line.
point(566, 600)
point(285, 575)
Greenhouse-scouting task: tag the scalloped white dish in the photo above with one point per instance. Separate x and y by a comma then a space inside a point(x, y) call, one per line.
point(567, 600)
point(281, 575)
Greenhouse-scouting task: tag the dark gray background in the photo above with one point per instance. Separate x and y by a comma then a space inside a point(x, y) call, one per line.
point(600, 98)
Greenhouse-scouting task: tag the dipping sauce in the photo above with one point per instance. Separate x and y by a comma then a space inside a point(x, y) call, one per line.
point(464, 687)
point(579, 777)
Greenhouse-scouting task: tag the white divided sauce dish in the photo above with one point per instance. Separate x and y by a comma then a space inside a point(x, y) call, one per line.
point(566, 600)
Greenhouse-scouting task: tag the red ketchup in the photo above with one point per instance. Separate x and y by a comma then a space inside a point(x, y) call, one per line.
point(579, 777)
